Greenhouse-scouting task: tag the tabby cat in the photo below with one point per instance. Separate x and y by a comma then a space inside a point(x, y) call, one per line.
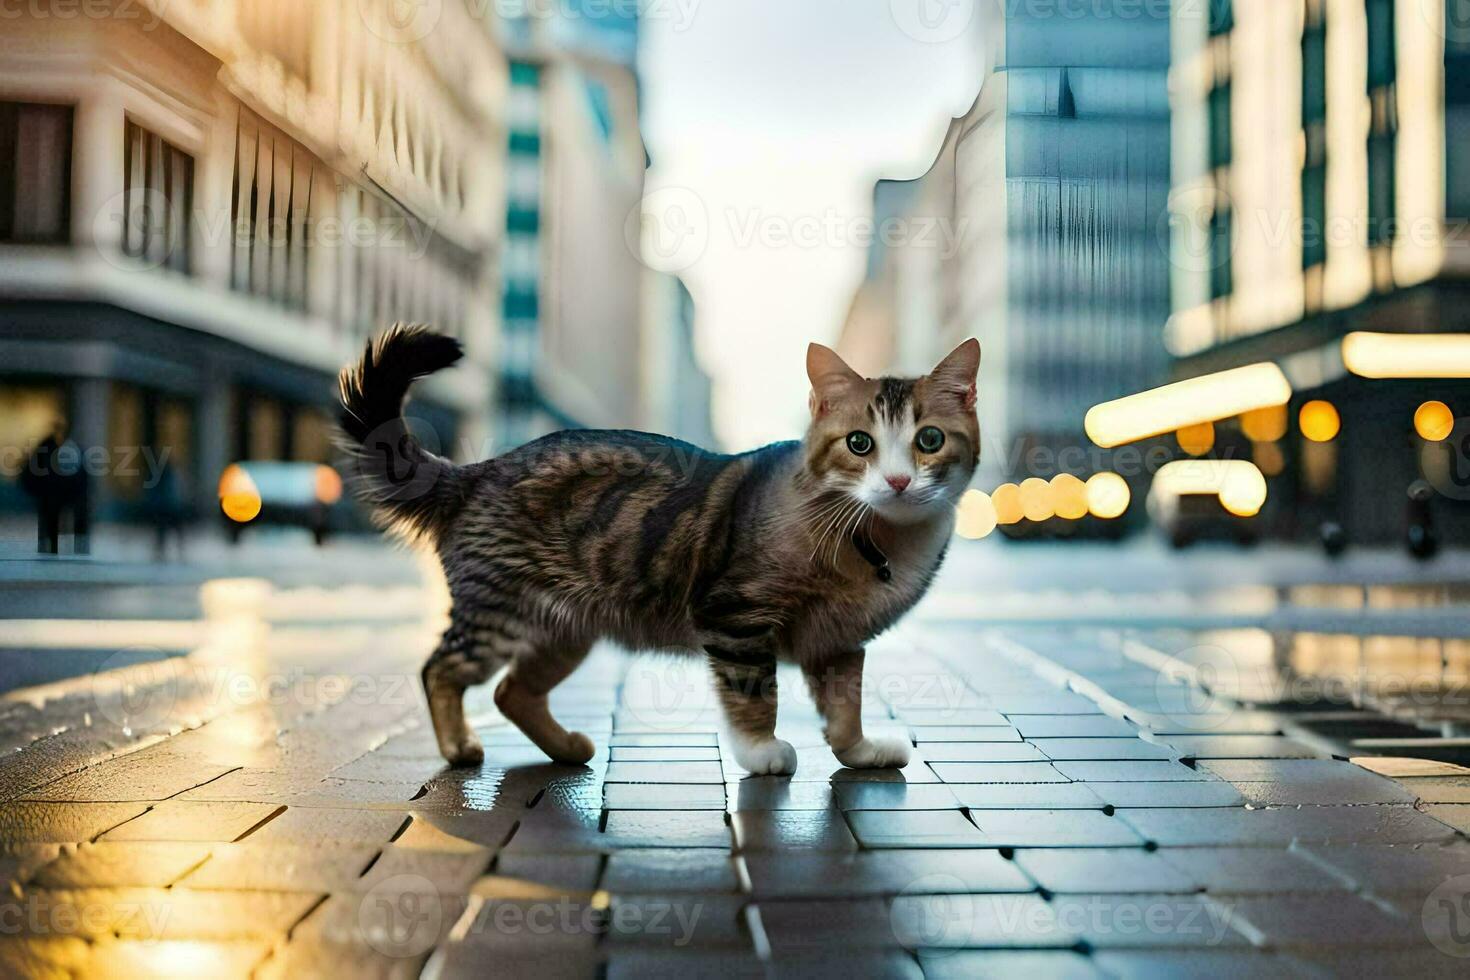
point(798, 552)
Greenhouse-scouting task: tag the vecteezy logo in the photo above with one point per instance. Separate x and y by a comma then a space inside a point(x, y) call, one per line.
point(134, 229)
point(1195, 701)
point(1187, 232)
point(401, 916)
point(933, 912)
point(932, 21)
point(1450, 19)
point(401, 21)
point(389, 455)
point(668, 230)
point(1446, 463)
point(1446, 917)
point(136, 688)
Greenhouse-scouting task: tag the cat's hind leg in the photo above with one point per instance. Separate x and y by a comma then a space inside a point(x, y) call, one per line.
point(456, 664)
point(523, 697)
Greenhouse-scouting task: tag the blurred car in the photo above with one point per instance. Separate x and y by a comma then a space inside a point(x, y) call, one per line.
point(1202, 499)
point(1189, 517)
point(283, 494)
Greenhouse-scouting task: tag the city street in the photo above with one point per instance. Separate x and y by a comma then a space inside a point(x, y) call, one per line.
point(1128, 763)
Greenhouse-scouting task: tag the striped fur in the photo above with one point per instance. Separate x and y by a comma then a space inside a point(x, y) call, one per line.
point(657, 544)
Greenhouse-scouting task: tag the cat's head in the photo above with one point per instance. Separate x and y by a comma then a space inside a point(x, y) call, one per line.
point(905, 447)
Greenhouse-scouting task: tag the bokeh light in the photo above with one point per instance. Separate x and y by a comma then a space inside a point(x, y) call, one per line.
point(1319, 421)
point(1007, 501)
point(1196, 439)
point(1434, 421)
point(1264, 424)
point(1108, 495)
point(1069, 496)
point(1036, 499)
point(975, 515)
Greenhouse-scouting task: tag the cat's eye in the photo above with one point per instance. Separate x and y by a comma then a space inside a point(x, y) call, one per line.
point(929, 439)
point(860, 443)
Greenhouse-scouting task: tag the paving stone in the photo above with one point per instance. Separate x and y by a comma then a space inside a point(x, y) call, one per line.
point(139, 777)
point(1114, 921)
point(892, 964)
point(560, 831)
point(965, 718)
point(1268, 782)
point(638, 963)
point(660, 753)
point(782, 830)
point(963, 921)
point(1239, 747)
point(1072, 726)
point(154, 914)
point(980, 752)
point(964, 733)
point(1054, 828)
point(1231, 721)
point(1385, 869)
point(331, 826)
point(311, 957)
point(917, 771)
point(1251, 870)
point(1060, 703)
point(1174, 794)
point(862, 923)
point(44, 823)
point(1203, 964)
point(998, 772)
point(1130, 772)
point(665, 772)
point(778, 793)
point(44, 957)
point(663, 739)
point(654, 871)
point(1294, 921)
point(406, 868)
point(177, 820)
point(122, 864)
point(707, 921)
point(1421, 963)
point(1278, 827)
point(1456, 815)
point(283, 867)
point(815, 874)
point(373, 768)
point(666, 828)
point(913, 828)
point(894, 796)
point(1438, 789)
point(573, 874)
point(1105, 749)
point(664, 796)
point(1026, 796)
point(1001, 964)
point(368, 931)
point(1112, 869)
point(18, 862)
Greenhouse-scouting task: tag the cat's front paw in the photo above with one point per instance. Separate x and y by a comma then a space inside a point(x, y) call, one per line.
point(875, 753)
point(769, 757)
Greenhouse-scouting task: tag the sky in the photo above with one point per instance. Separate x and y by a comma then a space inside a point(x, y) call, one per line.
point(767, 122)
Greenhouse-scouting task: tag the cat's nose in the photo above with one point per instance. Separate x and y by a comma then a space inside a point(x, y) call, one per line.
point(899, 483)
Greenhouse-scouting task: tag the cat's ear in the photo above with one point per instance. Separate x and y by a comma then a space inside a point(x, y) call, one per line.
point(957, 372)
point(830, 376)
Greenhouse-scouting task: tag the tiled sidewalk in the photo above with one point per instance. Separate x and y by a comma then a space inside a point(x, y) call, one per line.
point(307, 826)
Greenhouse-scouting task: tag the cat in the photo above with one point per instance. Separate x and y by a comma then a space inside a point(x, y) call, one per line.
point(797, 552)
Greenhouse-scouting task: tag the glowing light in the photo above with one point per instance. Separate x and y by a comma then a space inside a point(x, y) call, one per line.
point(1434, 421)
point(1237, 482)
point(1319, 421)
point(1264, 424)
point(1208, 398)
point(1069, 496)
point(238, 496)
point(1108, 495)
point(1036, 499)
point(1407, 355)
point(328, 485)
point(1196, 439)
point(975, 515)
point(1007, 501)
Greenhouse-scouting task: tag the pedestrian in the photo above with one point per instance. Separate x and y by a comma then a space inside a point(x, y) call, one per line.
point(55, 479)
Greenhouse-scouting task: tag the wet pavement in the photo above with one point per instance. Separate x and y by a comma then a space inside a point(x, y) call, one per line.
point(1095, 799)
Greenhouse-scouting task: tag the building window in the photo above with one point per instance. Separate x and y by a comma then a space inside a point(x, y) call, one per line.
point(1314, 134)
point(1383, 127)
point(272, 213)
point(158, 196)
point(1221, 271)
point(35, 173)
point(1220, 143)
point(1222, 17)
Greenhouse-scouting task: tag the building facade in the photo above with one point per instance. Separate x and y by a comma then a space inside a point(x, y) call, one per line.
point(1050, 198)
point(206, 208)
point(1321, 190)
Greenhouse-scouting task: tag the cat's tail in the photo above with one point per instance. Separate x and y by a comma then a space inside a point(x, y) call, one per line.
point(411, 490)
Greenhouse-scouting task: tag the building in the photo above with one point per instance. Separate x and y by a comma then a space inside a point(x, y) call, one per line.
point(1041, 229)
point(573, 288)
point(205, 209)
point(676, 388)
point(1321, 188)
